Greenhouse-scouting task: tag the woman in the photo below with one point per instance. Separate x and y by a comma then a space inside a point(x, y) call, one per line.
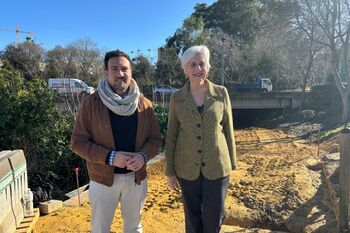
point(200, 148)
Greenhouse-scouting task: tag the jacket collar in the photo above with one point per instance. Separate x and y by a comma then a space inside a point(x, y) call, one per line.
point(213, 94)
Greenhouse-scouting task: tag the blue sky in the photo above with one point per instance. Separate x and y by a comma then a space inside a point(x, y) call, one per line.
point(128, 25)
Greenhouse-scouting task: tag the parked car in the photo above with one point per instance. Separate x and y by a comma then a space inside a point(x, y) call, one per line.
point(162, 89)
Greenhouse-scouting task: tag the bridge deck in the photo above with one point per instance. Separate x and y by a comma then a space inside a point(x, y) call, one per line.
point(262, 100)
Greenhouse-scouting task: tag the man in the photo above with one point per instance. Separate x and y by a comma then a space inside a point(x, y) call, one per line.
point(116, 132)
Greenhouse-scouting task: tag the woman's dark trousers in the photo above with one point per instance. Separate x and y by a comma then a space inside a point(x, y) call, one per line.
point(204, 203)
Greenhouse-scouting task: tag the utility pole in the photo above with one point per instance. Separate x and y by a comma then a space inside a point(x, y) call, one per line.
point(222, 76)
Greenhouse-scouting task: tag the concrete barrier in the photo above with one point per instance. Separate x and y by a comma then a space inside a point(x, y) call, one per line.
point(13, 184)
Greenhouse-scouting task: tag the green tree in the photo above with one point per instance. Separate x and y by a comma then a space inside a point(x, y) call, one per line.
point(192, 32)
point(239, 18)
point(29, 120)
point(168, 68)
point(228, 28)
point(27, 58)
point(143, 71)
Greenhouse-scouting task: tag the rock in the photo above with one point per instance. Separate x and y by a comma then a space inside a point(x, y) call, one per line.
point(244, 182)
point(308, 114)
point(331, 157)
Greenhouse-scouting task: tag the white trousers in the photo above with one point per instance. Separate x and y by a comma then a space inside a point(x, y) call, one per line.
point(104, 200)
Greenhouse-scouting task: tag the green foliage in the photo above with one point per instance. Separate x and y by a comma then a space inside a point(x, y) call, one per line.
point(325, 98)
point(192, 33)
point(239, 18)
point(162, 116)
point(332, 132)
point(25, 58)
point(29, 120)
point(228, 28)
point(143, 71)
point(169, 69)
point(326, 133)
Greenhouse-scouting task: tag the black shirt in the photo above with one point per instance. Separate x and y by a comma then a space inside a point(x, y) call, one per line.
point(124, 130)
point(200, 108)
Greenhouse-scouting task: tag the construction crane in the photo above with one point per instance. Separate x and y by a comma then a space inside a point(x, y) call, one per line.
point(18, 32)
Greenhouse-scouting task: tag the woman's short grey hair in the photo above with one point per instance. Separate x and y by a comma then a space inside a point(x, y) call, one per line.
point(194, 51)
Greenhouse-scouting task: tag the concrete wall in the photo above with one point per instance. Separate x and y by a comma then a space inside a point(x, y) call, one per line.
point(13, 184)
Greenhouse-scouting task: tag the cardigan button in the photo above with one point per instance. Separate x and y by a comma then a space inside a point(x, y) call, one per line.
point(199, 151)
point(203, 164)
point(198, 125)
point(199, 137)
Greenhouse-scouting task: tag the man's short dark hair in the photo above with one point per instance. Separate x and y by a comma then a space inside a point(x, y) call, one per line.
point(115, 53)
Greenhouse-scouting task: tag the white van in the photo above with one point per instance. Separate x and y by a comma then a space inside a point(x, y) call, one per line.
point(69, 85)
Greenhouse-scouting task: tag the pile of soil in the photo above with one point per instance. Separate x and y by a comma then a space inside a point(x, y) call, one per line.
point(278, 186)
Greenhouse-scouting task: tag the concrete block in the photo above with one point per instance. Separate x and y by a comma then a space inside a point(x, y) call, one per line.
point(50, 206)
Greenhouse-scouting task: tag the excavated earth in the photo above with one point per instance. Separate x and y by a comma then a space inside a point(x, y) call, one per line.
point(278, 186)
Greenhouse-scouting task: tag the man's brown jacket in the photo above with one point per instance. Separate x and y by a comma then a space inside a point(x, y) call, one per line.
point(92, 137)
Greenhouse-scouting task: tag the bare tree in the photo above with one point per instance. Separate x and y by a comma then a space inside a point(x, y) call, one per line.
point(332, 17)
point(281, 55)
point(222, 45)
point(301, 21)
point(88, 59)
point(80, 59)
point(60, 62)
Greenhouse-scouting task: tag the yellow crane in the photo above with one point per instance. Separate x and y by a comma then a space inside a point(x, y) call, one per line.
point(18, 32)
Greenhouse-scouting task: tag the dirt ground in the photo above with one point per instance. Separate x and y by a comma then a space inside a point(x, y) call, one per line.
point(278, 186)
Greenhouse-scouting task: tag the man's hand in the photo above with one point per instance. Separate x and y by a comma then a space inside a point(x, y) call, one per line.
point(173, 184)
point(120, 159)
point(135, 161)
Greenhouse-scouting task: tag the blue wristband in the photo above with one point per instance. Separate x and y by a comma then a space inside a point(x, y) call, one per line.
point(144, 156)
point(111, 157)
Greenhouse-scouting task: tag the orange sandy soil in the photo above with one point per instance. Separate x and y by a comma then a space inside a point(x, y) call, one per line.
point(278, 180)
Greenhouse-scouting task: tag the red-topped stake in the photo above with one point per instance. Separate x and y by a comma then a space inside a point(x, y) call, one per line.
point(76, 170)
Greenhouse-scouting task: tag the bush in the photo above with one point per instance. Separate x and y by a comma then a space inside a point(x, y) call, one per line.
point(325, 100)
point(162, 116)
point(29, 120)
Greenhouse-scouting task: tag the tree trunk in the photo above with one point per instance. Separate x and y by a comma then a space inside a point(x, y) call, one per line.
point(346, 91)
point(306, 77)
point(344, 94)
point(346, 102)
